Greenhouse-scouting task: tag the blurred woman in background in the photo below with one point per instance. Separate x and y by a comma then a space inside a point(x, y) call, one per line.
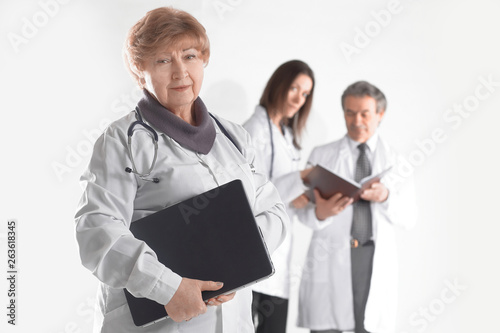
point(276, 127)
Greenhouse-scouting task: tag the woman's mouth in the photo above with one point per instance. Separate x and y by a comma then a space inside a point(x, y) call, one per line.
point(181, 88)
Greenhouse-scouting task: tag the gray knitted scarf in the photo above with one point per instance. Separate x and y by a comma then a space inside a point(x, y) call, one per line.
point(198, 138)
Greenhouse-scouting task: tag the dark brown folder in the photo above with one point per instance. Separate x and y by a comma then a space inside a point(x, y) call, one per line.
point(329, 183)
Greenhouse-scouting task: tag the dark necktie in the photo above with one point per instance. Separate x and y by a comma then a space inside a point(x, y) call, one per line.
point(362, 214)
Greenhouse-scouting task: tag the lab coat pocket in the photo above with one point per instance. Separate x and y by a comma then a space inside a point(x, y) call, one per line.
point(246, 175)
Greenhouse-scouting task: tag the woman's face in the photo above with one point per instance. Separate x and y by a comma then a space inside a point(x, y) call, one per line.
point(174, 76)
point(297, 94)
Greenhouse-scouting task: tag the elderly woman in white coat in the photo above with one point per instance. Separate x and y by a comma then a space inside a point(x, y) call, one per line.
point(276, 128)
point(166, 52)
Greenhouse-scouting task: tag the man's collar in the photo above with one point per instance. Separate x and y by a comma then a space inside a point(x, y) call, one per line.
point(371, 142)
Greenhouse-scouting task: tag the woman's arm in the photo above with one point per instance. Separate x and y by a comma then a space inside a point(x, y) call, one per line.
point(269, 209)
point(107, 247)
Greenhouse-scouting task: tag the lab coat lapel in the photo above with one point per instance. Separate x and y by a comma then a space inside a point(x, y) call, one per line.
point(344, 164)
point(379, 158)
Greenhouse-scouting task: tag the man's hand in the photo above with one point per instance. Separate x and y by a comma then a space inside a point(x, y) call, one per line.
point(377, 192)
point(330, 207)
point(187, 302)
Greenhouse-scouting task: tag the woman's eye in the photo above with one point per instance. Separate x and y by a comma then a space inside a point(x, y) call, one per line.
point(190, 56)
point(294, 89)
point(163, 61)
point(305, 95)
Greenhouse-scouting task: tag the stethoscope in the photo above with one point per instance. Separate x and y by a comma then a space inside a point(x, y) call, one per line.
point(294, 159)
point(154, 138)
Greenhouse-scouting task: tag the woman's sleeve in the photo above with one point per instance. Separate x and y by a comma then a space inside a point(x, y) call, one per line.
point(290, 185)
point(307, 216)
point(269, 209)
point(107, 247)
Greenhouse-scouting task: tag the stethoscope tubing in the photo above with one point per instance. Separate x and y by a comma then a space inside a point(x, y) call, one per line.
point(130, 133)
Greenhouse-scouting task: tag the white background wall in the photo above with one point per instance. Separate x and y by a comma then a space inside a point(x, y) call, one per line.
point(63, 79)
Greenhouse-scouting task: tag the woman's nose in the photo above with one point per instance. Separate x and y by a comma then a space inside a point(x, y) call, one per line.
point(296, 97)
point(179, 70)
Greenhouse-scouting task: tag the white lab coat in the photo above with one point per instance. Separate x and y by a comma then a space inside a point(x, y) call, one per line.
point(325, 296)
point(286, 178)
point(113, 199)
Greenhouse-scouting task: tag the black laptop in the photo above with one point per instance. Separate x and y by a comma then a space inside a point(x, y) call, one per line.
point(212, 236)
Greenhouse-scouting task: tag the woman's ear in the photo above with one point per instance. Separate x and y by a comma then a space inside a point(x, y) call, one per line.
point(142, 81)
point(140, 77)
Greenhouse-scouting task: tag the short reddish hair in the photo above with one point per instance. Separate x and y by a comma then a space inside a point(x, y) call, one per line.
point(162, 27)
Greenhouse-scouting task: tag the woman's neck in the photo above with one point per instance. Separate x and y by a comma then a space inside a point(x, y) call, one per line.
point(276, 120)
point(186, 114)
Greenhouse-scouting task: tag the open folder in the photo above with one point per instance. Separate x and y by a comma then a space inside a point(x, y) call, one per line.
point(329, 183)
point(212, 236)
